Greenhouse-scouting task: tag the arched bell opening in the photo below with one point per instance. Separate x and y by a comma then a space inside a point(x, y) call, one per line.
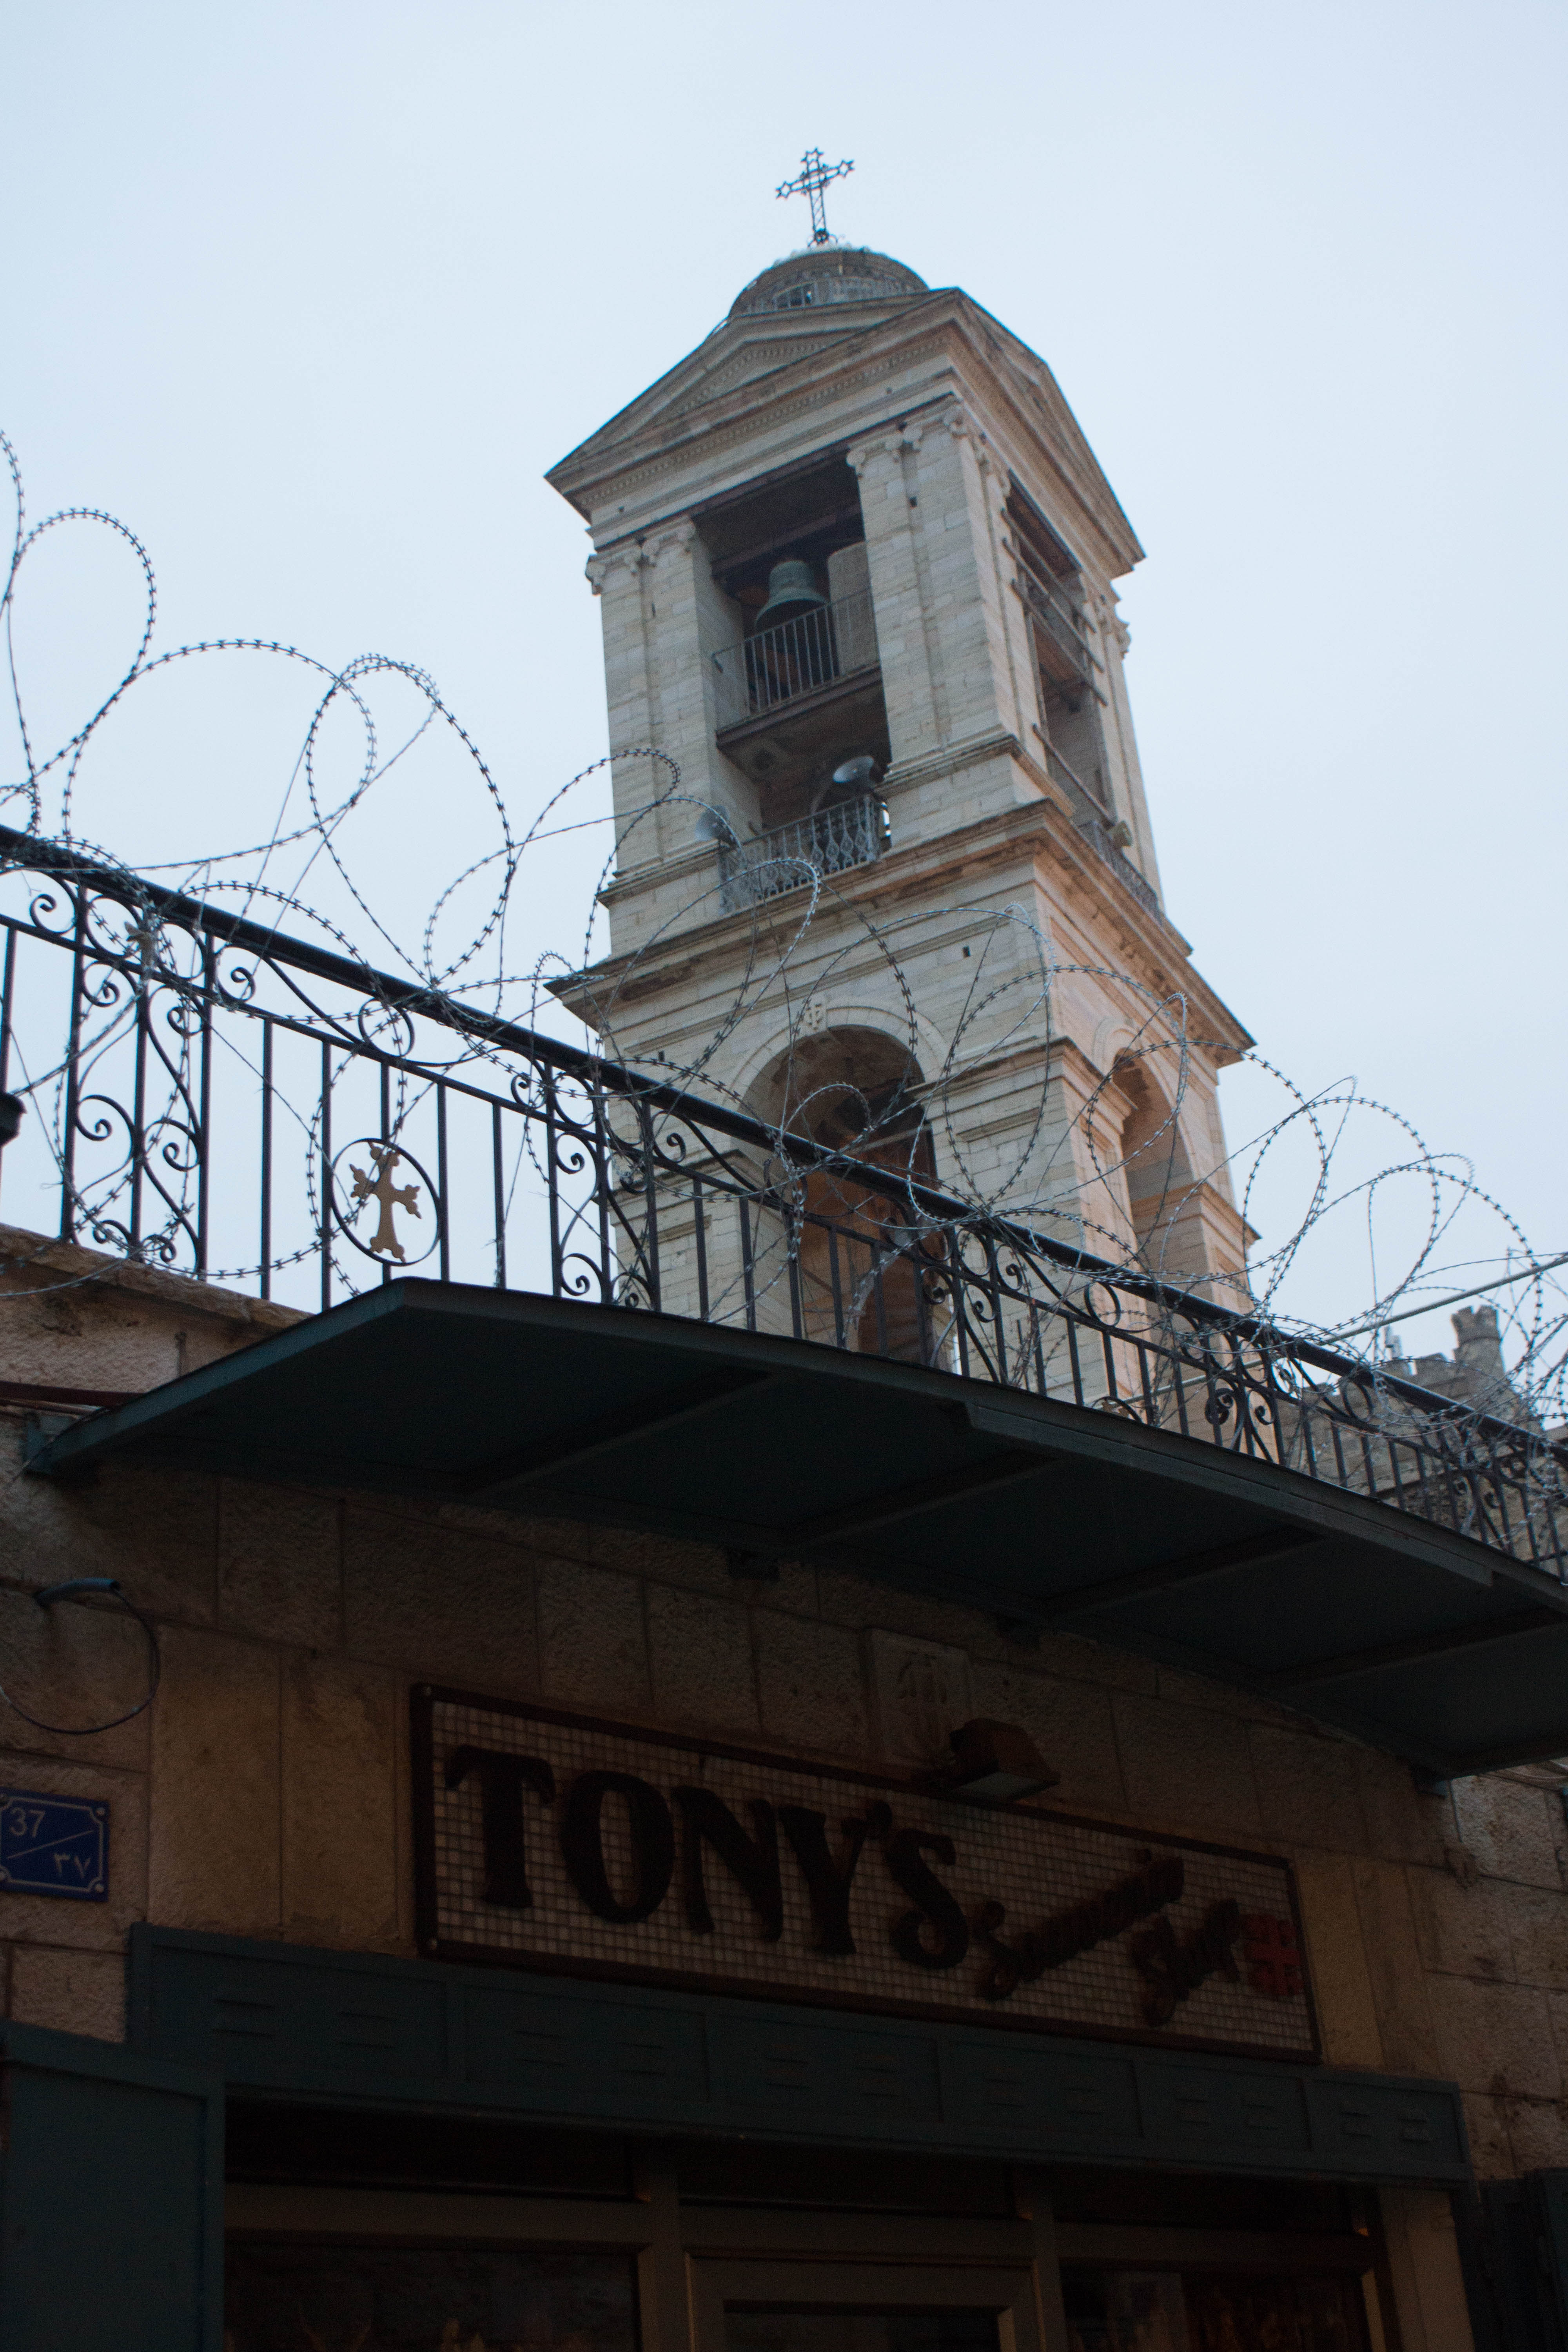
point(1175, 1241)
point(1155, 1166)
point(860, 1271)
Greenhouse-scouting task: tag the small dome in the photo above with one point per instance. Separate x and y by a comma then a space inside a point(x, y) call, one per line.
point(826, 273)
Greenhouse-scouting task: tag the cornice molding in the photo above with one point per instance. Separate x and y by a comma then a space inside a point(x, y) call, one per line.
point(1042, 421)
point(751, 362)
point(722, 362)
point(951, 758)
point(1032, 828)
point(744, 428)
point(692, 386)
point(648, 875)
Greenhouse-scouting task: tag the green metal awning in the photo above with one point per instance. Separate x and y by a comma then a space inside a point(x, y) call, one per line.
point(1044, 1514)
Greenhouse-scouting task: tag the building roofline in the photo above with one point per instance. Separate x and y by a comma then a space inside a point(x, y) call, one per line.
point(601, 463)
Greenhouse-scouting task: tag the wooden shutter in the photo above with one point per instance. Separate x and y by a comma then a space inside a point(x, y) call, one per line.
point(110, 2197)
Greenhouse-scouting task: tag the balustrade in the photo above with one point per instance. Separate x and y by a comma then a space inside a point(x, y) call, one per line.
point(795, 657)
point(205, 1096)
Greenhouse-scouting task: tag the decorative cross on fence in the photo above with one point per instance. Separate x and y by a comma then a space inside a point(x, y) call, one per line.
point(814, 176)
point(380, 1188)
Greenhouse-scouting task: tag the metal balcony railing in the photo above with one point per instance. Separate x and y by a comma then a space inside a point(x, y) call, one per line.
point(793, 657)
point(1097, 824)
point(1059, 618)
point(830, 841)
point(207, 1096)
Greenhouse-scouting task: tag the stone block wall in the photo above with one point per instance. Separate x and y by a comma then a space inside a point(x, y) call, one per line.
point(266, 1792)
point(986, 1019)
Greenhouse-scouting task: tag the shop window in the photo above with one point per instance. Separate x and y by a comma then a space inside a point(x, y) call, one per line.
point(1173, 2311)
point(290, 2296)
point(781, 2329)
point(1125, 2311)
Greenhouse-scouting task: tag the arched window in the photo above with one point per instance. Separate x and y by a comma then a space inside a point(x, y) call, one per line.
point(859, 1259)
point(1155, 1162)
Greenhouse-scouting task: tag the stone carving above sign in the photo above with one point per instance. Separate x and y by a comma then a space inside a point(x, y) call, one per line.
point(556, 1842)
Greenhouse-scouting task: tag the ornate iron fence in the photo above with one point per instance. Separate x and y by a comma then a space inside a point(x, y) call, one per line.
point(209, 1096)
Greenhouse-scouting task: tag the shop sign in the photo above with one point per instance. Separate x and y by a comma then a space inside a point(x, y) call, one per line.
point(558, 1841)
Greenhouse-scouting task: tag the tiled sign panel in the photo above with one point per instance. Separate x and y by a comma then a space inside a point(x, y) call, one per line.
point(548, 1841)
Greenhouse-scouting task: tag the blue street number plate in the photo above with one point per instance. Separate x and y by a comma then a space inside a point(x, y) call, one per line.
point(54, 1846)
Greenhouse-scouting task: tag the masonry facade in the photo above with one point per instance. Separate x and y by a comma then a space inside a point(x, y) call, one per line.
point(902, 450)
point(266, 1793)
point(525, 1925)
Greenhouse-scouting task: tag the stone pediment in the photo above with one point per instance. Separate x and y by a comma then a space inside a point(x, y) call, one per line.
point(713, 395)
point(739, 351)
point(756, 359)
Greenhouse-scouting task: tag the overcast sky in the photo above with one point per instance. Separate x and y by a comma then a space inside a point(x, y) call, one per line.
point(311, 295)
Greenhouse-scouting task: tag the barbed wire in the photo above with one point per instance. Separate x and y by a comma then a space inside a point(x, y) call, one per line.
point(1128, 1171)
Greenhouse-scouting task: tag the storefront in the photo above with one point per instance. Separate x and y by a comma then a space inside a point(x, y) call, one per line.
point(876, 2181)
point(761, 2251)
point(420, 2154)
point(434, 2215)
point(641, 1987)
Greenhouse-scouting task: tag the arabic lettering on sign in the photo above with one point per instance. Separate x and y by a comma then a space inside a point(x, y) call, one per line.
point(550, 1841)
point(54, 1846)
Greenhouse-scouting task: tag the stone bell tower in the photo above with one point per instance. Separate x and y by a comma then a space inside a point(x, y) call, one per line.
point(855, 559)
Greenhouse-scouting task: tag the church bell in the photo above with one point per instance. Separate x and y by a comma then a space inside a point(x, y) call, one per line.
point(792, 591)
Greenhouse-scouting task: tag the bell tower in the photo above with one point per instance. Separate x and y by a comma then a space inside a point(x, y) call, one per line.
point(856, 562)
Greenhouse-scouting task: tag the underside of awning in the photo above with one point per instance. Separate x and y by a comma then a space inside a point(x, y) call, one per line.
point(1043, 1513)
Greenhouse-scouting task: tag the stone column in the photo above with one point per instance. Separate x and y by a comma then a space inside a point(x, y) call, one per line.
point(663, 616)
point(1121, 744)
point(615, 578)
point(1012, 645)
point(902, 645)
point(675, 659)
point(959, 484)
point(931, 496)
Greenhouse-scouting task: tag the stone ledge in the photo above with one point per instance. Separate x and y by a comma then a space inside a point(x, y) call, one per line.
point(20, 1251)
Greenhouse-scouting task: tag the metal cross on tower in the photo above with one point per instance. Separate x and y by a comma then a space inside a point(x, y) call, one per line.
point(814, 178)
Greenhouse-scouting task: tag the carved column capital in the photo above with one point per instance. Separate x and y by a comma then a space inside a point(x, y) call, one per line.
point(675, 537)
point(599, 568)
point(865, 453)
point(963, 427)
